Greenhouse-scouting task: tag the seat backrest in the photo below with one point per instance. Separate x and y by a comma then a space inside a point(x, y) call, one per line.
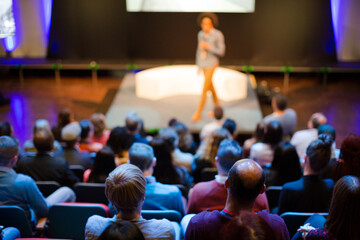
point(78, 171)
point(68, 220)
point(14, 216)
point(47, 187)
point(273, 195)
point(171, 215)
point(294, 220)
point(90, 192)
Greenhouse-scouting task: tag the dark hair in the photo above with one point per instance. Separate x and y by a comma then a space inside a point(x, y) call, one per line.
point(5, 129)
point(343, 220)
point(259, 131)
point(218, 112)
point(170, 135)
point(9, 148)
point(214, 19)
point(172, 122)
point(64, 117)
point(117, 139)
point(230, 125)
point(319, 152)
point(240, 188)
point(249, 226)
point(122, 230)
point(273, 133)
point(280, 101)
point(86, 127)
point(141, 155)
point(132, 122)
point(186, 141)
point(350, 151)
point(164, 171)
point(43, 141)
point(327, 129)
point(286, 164)
point(104, 163)
point(228, 153)
point(214, 141)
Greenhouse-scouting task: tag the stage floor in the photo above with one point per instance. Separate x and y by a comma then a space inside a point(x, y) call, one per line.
point(156, 114)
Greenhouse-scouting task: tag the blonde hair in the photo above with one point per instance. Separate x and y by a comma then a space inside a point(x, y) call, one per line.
point(125, 187)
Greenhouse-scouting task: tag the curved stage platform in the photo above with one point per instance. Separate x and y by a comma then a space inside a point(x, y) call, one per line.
point(162, 93)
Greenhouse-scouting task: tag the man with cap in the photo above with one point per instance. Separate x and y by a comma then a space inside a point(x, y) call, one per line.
point(44, 166)
point(70, 134)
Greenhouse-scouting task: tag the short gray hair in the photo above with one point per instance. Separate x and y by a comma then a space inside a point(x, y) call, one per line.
point(9, 148)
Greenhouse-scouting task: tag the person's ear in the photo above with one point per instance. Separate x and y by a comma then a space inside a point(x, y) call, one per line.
point(13, 161)
point(263, 189)
point(154, 162)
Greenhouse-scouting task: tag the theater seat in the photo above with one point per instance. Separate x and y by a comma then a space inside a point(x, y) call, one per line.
point(14, 216)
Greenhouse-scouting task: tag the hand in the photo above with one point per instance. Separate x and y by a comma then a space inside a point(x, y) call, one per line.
point(204, 45)
point(305, 229)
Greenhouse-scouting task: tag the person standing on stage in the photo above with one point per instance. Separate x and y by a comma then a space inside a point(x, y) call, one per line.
point(211, 46)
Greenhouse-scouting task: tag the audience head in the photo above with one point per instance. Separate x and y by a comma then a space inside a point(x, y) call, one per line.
point(214, 141)
point(259, 131)
point(245, 181)
point(121, 230)
point(230, 125)
point(65, 117)
point(117, 139)
point(142, 156)
point(279, 102)
point(228, 153)
point(86, 129)
point(170, 135)
point(218, 112)
point(5, 129)
point(273, 133)
point(104, 163)
point(350, 155)
point(98, 121)
point(125, 188)
point(249, 226)
point(318, 153)
point(43, 141)
point(132, 122)
point(70, 134)
point(172, 122)
point(9, 149)
point(316, 120)
point(41, 124)
point(286, 164)
point(327, 129)
point(343, 220)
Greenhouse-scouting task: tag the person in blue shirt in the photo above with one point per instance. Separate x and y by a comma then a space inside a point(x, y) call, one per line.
point(157, 194)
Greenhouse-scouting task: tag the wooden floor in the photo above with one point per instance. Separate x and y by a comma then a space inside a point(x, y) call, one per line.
point(41, 97)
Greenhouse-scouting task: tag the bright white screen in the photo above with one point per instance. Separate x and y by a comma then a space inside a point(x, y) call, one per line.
point(230, 6)
point(7, 23)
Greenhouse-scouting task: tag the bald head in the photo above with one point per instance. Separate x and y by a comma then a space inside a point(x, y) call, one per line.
point(316, 120)
point(246, 181)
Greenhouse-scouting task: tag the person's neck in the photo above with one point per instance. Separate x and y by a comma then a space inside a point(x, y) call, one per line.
point(308, 171)
point(279, 112)
point(129, 215)
point(236, 207)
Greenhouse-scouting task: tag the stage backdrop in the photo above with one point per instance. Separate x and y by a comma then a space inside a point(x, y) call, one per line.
point(278, 33)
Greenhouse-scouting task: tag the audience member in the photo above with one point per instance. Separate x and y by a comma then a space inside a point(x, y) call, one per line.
point(87, 131)
point(342, 222)
point(6, 129)
point(122, 230)
point(310, 193)
point(44, 166)
point(125, 188)
point(21, 190)
point(104, 163)
point(165, 171)
point(157, 194)
point(212, 195)
point(39, 125)
point(245, 182)
point(216, 123)
point(349, 160)
point(330, 130)
point(117, 140)
point(101, 135)
point(186, 141)
point(65, 117)
point(258, 136)
point(70, 134)
point(179, 158)
point(285, 166)
point(230, 125)
point(133, 126)
point(263, 152)
point(285, 116)
point(301, 139)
